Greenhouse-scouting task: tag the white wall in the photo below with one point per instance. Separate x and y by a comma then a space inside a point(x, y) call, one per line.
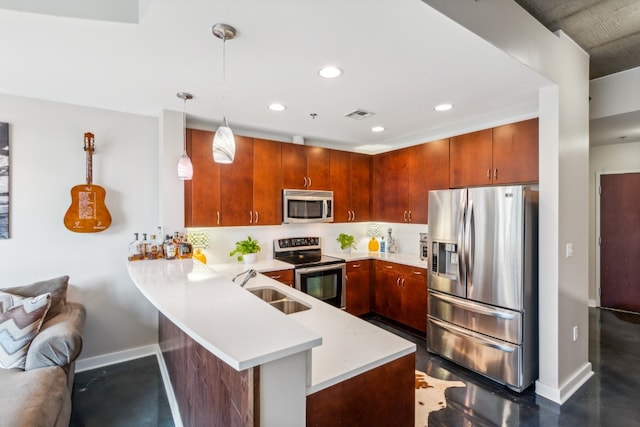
point(47, 160)
point(606, 159)
point(564, 151)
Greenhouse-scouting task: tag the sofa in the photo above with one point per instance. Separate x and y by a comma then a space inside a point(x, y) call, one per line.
point(36, 374)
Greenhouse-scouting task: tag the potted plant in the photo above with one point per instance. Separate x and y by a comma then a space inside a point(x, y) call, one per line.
point(347, 242)
point(247, 250)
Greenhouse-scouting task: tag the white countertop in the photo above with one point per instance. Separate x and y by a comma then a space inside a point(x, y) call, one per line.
point(412, 260)
point(252, 332)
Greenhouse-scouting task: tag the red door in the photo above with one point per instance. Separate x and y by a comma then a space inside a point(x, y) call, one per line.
point(620, 241)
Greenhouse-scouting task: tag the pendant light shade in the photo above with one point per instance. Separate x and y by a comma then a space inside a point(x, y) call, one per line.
point(224, 144)
point(185, 168)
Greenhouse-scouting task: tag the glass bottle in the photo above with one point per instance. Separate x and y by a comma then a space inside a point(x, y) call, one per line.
point(160, 243)
point(170, 251)
point(145, 246)
point(135, 249)
point(186, 248)
point(152, 251)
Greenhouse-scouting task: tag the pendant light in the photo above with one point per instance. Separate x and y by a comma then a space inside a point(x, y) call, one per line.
point(185, 168)
point(224, 144)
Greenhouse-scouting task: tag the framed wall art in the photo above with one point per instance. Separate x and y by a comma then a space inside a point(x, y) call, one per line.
point(4, 180)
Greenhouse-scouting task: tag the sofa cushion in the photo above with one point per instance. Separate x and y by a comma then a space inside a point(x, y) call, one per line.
point(35, 398)
point(57, 287)
point(20, 321)
point(60, 339)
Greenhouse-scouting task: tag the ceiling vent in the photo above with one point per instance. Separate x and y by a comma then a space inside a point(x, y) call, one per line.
point(359, 114)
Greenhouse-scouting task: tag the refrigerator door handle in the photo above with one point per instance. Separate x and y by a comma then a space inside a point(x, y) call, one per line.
point(462, 273)
point(467, 242)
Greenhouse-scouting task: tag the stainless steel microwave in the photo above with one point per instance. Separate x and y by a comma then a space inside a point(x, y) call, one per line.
point(301, 206)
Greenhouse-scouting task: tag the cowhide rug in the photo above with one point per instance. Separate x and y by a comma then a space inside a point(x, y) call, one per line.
point(430, 396)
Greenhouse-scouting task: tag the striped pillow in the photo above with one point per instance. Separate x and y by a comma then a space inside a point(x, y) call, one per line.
point(20, 321)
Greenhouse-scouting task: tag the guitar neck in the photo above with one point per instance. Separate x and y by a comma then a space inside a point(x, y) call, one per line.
point(89, 146)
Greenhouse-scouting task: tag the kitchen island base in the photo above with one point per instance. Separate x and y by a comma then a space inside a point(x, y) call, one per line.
point(383, 396)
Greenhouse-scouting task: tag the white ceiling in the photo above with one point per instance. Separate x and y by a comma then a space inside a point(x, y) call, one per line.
point(400, 59)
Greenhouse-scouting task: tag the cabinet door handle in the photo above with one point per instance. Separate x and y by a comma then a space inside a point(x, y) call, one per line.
point(250, 217)
point(409, 216)
point(309, 182)
point(495, 173)
point(403, 282)
point(489, 174)
point(417, 272)
point(404, 216)
point(355, 265)
point(398, 282)
point(218, 215)
point(256, 217)
point(354, 215)
point(277, 276)
point(305, 182)
point(388, 266)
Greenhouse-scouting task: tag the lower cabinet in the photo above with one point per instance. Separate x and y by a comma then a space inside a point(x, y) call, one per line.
point(358, 287)
point(282, 276)
point(400, 293)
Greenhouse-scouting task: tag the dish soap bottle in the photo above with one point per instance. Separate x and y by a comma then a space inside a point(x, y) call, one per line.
point(373, 244)
point(200, 256)
point(383, 246)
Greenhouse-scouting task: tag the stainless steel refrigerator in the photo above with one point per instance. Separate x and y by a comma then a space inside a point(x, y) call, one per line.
point(483, 281)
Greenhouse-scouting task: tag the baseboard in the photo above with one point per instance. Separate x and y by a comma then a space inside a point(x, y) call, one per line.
point(592, 303)
point(562, 394)
point(116, 357)
point(171, 397)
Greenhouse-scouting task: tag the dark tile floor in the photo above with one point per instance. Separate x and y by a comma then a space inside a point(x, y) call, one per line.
point(128, 394)
point(132, 394)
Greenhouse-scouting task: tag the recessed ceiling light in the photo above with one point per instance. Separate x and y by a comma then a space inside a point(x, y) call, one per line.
point(276, 106)
point(443, 107)
point(330, 72)
point(377, 129)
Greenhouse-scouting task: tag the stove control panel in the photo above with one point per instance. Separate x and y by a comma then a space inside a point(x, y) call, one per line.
point(293, 243)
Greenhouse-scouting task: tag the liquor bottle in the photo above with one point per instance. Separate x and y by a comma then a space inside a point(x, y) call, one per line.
point(160, 243)
point(170, 251)
point(152, 251)
point(135, 249)
point(186, 248)
point(145, 246)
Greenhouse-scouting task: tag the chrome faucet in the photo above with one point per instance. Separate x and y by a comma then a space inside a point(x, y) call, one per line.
point(249, 274)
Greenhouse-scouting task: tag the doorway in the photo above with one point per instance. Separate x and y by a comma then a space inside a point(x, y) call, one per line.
point(620, 241)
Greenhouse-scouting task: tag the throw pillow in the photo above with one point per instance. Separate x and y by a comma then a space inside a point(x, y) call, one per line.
point(20, 322)
point(56, 287)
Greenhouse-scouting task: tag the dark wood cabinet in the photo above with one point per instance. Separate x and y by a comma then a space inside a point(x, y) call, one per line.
point(403, 179)
point(305, 167)
point(350, 181)
point(400, 293)
point(503, 155)
point(267, 182)
point(202, 193)
point(358, 287)
point(515, 152)
point(245, 192)
point(390, 186)
point(282, 276)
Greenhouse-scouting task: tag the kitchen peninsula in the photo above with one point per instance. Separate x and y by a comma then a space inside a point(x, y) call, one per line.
point(234, 357)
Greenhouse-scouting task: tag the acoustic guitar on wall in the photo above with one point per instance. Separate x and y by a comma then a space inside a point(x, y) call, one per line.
point(88, 212)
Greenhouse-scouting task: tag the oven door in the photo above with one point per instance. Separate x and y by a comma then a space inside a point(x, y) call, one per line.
point(325, 282)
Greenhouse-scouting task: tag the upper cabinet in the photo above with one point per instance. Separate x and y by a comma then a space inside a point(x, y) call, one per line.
point(305, 167)
point(245, 192)
point(502, 155)
point(515, 152)
point(403, 178)
point(350, 181)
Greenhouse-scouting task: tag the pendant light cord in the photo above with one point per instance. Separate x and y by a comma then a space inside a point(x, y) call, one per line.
point(224, 81)
point(184, 127)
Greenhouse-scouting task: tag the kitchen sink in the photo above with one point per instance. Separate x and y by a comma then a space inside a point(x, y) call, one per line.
point(268, 294)
point(281, 301)
point(289, 306)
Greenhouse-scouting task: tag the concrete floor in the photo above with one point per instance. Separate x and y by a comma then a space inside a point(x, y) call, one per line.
point(132, 394)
